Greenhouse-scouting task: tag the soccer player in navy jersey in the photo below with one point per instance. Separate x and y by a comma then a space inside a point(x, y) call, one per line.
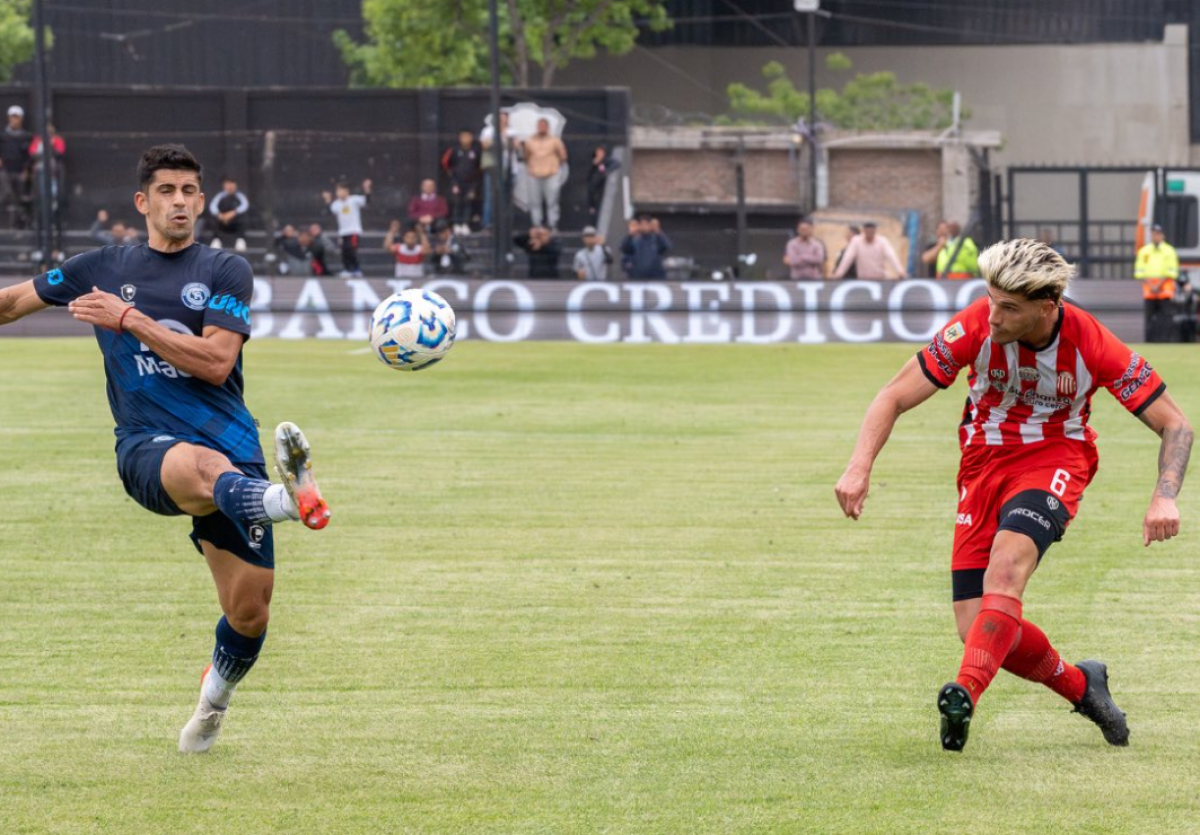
point(1032, 364)
point(170, 317)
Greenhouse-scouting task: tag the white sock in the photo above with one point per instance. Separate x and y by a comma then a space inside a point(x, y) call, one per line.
point(217, 691)
point(279, 505)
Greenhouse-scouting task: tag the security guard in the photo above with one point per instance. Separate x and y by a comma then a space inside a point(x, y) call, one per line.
point(959, 256)
point(1157, 268)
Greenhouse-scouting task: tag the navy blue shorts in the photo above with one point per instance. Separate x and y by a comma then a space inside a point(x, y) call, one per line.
point(139, 462)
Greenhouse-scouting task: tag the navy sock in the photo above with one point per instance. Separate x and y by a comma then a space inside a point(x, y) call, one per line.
point(241, 498)
point(235, 653)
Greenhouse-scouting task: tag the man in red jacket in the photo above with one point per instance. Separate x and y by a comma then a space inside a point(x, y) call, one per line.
point(428, 206)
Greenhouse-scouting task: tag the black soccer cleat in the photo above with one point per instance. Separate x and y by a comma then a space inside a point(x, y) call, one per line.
point(1097, 704)
point(954, 703)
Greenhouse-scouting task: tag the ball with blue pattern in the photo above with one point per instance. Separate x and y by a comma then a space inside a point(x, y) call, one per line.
point(412, 329)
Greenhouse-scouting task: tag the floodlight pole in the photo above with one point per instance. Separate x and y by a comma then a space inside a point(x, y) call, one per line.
point(42, 98)
point(812, 111)
point(499, 141)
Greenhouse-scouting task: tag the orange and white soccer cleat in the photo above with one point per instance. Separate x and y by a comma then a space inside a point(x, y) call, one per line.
point(293, 462)
point(201, 731)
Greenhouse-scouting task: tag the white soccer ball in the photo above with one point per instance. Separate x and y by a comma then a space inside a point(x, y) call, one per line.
point(412, 329)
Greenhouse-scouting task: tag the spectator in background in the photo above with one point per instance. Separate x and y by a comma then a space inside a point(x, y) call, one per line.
point(410, 252)
point(428, 206)
point(805, 254)
point(959, 258)
point(317, 244)
point(490, 158)
point(633, 226)
point(597, 179)
point(14, 159)
point(1187, 302)
point(645, 248)
point(449, 257)
point(347, 208)
point(593, 259)
point(461, 164)
point(544, 158)
point(1046, 236)
point(929, 255)
point(543, 250)
point(852, 232)
point(117, 235)
point(294, 258)
point(58, 182)
point(229, 208)
point(871, 254)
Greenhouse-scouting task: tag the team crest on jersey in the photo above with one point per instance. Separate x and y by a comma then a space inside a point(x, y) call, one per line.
point(954, 333)
point(1027, 374)
point(998, 373)
point(1066, 383)
point(128, 291)
point(195, 296)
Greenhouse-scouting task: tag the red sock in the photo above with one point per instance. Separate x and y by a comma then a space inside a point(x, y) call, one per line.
point(1035, 660)
point(989, 640)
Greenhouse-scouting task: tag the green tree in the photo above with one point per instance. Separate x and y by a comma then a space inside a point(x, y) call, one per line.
point(436, 43)
point(16, 36)
point(868, 101)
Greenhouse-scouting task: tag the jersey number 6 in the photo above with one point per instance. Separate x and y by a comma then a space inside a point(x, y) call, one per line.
point(1058, 484)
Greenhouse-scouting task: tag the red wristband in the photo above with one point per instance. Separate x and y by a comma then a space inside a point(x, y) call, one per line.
point(121, 321)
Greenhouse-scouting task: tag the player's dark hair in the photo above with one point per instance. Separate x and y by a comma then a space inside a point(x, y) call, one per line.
point(165, 158)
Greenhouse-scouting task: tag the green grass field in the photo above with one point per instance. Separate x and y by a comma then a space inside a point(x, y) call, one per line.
point(576, 589)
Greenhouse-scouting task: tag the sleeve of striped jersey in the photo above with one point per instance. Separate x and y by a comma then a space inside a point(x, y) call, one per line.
point(1126, 374)
point(951, 349)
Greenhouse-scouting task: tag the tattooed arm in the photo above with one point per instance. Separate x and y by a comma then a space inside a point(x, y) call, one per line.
point(1167, 421)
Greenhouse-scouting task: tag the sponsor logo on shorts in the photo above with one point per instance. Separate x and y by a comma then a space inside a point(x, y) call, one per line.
point(55, 277)
point(195, 296)
point(1031, 514)
point(954, 333)
point(1052, 503)
point(160, 439)
point(257, 532)
point(128, 291)
point(963, 519)
point(1027, 374)
point(1066, 383)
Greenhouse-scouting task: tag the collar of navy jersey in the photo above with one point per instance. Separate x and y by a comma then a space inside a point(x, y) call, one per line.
point(1037, 349)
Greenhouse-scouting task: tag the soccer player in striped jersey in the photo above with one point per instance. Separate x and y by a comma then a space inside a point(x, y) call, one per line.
point(1032, 363)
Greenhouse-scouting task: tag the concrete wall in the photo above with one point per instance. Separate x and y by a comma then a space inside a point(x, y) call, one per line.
point(1101, 104)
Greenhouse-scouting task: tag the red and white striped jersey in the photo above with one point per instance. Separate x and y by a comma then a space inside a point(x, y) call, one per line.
point(1021, 394)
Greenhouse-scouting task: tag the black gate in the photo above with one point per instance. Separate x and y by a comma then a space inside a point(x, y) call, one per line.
point(1091, 213)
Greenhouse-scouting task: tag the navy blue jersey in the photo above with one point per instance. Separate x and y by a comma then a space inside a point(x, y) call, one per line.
point(184, 291)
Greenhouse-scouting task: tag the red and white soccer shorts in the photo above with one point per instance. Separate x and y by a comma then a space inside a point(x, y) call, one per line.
point(990, 476)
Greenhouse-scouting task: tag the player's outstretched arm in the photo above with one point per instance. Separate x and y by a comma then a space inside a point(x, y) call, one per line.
point(906, 390)
point(19, 301)
point(1167, 421)
point(210, 357)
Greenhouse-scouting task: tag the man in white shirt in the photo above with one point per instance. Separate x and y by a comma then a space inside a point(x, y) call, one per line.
point(592, 260)
point(347, 208)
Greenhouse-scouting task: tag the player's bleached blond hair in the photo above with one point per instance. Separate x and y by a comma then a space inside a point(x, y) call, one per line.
point(1026, 268)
